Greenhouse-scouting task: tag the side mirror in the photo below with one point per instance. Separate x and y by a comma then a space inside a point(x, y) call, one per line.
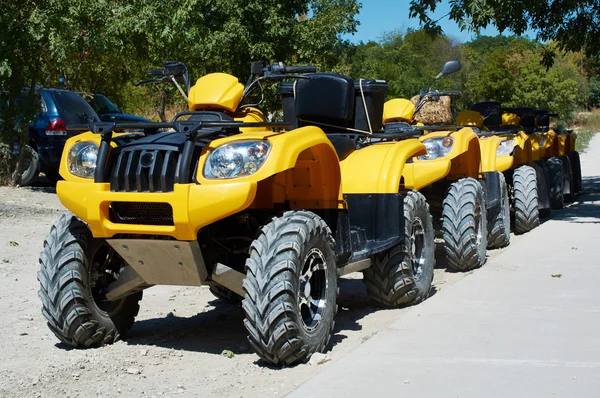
point(449, 67)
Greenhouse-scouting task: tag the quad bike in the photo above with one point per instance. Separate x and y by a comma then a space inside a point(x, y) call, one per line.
point(544, 150)
point(223, 198)
point(462, 196)
point(506, 148)
point(561, 144)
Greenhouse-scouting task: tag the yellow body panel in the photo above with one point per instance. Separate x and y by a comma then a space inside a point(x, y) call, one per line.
point(469, 118)
point(191, 209)
point(422, 174)
point(250, 115)
point(378, 168)
point(488, 147)
point(537, 141)
point(551, 144)
point(216, 91)
point(398, 110)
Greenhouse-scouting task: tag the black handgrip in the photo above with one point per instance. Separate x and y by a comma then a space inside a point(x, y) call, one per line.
point(300, 69)
point(156, 72)
point(448, 93)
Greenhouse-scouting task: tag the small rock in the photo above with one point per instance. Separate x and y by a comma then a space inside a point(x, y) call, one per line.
point(133, 371)
point(24, 334)
point(35, 381)
point(26, 318)
point(319, 359)
point(227, 353)
point(406, 381)
point(143, 352)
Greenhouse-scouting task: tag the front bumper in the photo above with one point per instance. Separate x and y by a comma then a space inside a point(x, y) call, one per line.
point(194, 206)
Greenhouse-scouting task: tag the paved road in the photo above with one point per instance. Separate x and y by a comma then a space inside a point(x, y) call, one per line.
point(525, 325)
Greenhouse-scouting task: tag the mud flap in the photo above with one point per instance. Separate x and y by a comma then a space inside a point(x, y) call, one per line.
point(492, 190)
point(542, 187)
point(374, 223)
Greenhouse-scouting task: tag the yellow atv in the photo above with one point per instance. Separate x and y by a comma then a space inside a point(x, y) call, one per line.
point(220, 197)
point(506, 148)
point(544, 149)
point(461, 195)
point(561, 144)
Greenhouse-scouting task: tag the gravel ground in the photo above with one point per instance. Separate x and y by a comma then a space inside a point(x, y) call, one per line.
point(176, 343)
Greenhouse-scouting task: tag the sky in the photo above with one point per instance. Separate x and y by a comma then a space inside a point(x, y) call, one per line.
point(380, 16)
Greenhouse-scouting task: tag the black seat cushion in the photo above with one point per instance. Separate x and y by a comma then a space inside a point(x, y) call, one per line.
point(343, 145)
point(325, 98)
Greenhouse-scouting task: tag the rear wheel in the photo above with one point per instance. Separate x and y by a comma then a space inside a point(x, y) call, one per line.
point(464, 225)
point(226, 295)
point(403, 274)
point(568, 179)
point(553, 170)
point(31, 166)
point(291, 288)
point(576, 165)
point(498, 219)
point(527, 214)
point(75, 270)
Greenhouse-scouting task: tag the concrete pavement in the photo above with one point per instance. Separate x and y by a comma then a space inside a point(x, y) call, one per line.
point(527, 324)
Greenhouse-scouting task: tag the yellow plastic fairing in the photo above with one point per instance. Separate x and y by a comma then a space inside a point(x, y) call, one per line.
point(510, 119)
point(398, 110)
point(378, 168)
point(216, 91)
point(469, 118)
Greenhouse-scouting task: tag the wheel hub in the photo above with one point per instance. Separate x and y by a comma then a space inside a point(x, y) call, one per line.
point(312, 289)
point(416, 247)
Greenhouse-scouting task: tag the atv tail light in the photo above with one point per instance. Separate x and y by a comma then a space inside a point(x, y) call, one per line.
point(56, 127)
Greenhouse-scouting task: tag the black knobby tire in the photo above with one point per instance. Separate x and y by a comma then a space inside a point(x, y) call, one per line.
point(281, 320)
point(68, 286)
point(525, 196)
point(553, 170)
point(498, 219)
point(226, 295)
point(403, 275)
point(576, 165)
point(464, 225)
point(568, 179)
point(31, 168)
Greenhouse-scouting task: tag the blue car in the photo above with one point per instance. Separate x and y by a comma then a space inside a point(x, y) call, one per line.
point(107, 111)
point(48, 132)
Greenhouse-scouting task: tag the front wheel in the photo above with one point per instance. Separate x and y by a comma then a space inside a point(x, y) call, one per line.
point(75, 269)
point(464, 225)
point(499, 219)
point(31, 166)
point(403, 274)
point(291, 288)
point(525, 193)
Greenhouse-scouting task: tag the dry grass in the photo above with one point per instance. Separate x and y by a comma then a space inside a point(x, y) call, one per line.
point(587, 124)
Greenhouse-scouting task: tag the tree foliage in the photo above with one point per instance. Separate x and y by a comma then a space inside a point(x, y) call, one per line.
point(573, 25)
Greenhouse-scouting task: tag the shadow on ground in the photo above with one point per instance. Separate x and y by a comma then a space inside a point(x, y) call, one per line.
point(585, 208)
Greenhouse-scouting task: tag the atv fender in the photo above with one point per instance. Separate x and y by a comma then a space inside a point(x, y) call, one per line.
point(378, 168)
point(522, 153)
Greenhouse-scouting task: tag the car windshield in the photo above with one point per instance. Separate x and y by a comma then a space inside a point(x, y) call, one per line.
point(73, 108)
point(101, 104)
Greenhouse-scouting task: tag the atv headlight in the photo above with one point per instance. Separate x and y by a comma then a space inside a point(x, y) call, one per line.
point(237, 159)
point(437, 148)
point(82, 159)
point(506, 147)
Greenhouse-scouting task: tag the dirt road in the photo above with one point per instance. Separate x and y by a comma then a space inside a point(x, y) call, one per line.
point(176, 343)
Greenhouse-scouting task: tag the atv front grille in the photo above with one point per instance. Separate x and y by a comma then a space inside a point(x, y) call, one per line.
point(144, 213)
point(144, 170)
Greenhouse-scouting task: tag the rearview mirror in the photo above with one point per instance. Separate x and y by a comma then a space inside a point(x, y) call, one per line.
point(449, 67)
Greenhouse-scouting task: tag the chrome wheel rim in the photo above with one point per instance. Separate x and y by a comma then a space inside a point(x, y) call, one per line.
point(312, 289)
point(416, 247)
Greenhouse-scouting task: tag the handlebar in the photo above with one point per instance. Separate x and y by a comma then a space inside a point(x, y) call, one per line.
point(441, 93)
point(300, 69)
point(156, 72)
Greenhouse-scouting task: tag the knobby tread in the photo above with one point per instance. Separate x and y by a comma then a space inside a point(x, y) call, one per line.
point(568, 179)
point(66, 303)
point(271, 286)
point(498, 219)
point(527, 215)
point(390, 280)
point(553, 170)
point(459, 225)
